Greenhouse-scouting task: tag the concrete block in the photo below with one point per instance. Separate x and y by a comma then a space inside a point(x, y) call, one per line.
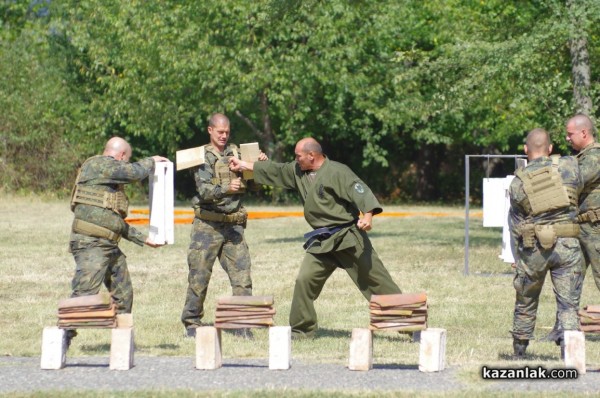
point(124, 321)
point(432, 352)
point(208, 348)
point(575, 350)
point(280, 347)
point(162, 204)
point(121, 349)
point(361, 350)
point(54, 348)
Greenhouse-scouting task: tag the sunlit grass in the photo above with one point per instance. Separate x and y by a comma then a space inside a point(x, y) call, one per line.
point(422, 254)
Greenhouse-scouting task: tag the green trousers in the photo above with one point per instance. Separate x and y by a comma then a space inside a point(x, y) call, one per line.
point(361, 263)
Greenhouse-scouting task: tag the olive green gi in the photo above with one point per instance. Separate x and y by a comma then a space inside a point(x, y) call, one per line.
point(563, 259)
point(212, 239)
point(99, 260)
point(333, 197)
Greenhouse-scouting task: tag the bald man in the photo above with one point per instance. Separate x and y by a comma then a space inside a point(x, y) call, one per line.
point(334, 198)
point(581, 134)
point(544, 230)
point(99, 205)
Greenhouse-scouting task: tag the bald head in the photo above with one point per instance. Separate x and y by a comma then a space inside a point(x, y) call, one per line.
point(580, 131)
point(118, 148)
point(537, 144)
point(309, 154)
point(310, 145)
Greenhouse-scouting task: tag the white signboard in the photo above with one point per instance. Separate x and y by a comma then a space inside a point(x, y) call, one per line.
point(162, 202)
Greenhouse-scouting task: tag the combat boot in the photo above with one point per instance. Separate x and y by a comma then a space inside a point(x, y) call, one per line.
point(520, 346)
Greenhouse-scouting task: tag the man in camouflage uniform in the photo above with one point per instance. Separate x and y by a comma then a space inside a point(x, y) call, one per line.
point(333, 198)
point(100, 206)
point(581, 134)
point(544, 230)
point(218, 228)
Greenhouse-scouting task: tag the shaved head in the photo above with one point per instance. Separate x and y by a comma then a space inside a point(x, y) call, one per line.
point(217, 119)
point(118, 148)
point(309, 145)
point(538, 143)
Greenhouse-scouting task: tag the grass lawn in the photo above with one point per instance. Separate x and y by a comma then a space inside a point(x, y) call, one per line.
point(422, 252)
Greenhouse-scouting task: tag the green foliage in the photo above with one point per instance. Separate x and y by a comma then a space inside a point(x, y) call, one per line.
point(385, 86)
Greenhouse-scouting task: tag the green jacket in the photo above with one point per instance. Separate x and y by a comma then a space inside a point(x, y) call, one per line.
point(106, 173)
point(335, 197)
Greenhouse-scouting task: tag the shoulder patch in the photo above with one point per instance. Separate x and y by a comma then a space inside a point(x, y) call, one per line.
point(358, 187)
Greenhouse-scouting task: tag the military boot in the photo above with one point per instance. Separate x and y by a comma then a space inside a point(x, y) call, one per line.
point(520, 346)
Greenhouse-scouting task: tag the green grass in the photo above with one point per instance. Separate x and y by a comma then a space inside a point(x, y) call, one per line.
point(421, 253)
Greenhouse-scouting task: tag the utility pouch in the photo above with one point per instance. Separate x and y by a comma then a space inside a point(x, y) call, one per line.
point(528, 235)
point(546, 236)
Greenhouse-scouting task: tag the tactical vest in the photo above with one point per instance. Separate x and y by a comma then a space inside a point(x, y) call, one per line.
point(545, 190)
point(95, 196)
point(223, 175)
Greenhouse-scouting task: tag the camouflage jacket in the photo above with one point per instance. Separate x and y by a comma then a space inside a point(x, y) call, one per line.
point(107, 173)
point(589, 164)
point(214, 197)
point(520, 208)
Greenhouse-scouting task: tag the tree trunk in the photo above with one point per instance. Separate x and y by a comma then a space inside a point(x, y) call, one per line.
point(580, 60)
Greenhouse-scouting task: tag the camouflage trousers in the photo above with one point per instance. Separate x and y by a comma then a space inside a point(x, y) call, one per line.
point(101, 261)
point(209, 241)
point(361, 263)
point(564, 261)
point(589, 238)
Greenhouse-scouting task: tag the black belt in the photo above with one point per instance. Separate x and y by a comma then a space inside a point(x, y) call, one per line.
point(324, 233)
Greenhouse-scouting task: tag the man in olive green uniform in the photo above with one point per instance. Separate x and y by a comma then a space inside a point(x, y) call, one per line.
point(333, 198)
point(100, 207)
point(544, 230)
point(218, 228)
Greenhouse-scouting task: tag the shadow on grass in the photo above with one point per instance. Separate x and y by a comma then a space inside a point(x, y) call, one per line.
point(96, 348)
point(528, 357)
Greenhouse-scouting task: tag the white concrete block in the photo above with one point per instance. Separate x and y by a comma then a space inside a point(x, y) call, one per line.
point(280, 347)
point(575, 350)
point(162, 204)
point(361, 350)
point(121, 349)
point(208, 348)
point(432, 352)
point(54, 348)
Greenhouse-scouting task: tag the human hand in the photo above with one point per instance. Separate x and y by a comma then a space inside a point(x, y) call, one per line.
point(158, 158)
point(151, 243)
point(235, 164)
point(365, 223)
point(262, 156)
point(234, 185)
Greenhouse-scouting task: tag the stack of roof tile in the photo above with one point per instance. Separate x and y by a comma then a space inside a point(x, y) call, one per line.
point(95, 311)
point(237, 312)
point(398, 312)
point(589, 318)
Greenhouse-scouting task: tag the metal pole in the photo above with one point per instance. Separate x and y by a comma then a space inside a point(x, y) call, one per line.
point(466, 269)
